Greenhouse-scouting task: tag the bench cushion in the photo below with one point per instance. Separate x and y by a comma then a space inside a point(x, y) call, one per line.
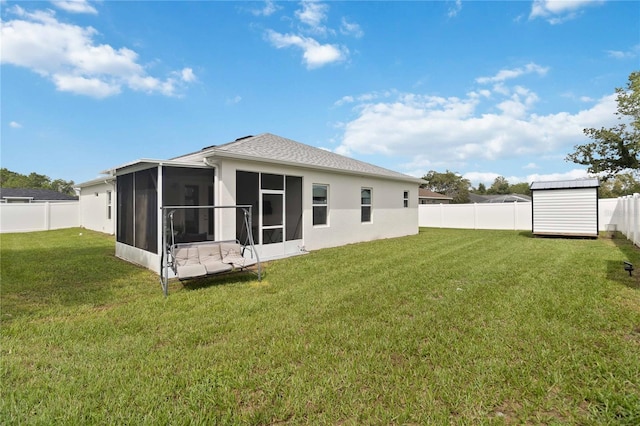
point(186, 255)
point(211, 258)
point(232, 254)
point(187, 262)
point(191, 271)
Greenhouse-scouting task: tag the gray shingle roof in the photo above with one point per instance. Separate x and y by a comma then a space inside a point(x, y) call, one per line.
point(566, 184)
point(276, 149)
point(35, 194)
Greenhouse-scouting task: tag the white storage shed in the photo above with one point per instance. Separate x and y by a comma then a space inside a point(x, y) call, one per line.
point(565, 208)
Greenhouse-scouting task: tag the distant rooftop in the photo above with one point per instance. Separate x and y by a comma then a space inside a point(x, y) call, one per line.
point(33, 194)
point(427, 193)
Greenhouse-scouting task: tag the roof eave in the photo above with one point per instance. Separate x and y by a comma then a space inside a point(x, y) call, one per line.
point(146, 161)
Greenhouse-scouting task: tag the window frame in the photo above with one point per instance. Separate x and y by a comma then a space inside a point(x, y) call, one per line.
point(324, 205)
point(405, 199)
point(109, 203)
point(366, 207)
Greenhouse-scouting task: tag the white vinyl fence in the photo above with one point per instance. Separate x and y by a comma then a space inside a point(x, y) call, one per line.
point(621, 214)
point(515, 216)
point(628, 210)
point(29, 217)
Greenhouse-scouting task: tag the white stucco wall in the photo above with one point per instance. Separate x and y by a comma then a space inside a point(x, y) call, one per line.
point(389, 217)
point(94, 207)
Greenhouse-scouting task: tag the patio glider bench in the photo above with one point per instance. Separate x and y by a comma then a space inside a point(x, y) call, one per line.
point(194, 260)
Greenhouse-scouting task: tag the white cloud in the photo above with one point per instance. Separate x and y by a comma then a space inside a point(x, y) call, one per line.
point(75, 6)
point(313, 14)
point(314, 55)
point(15, 125)
point(235, 100)
point(570, 175)
point(366, 97)
point(344, 100)
point(269, 9)
point(508, 74)
point(481, 177)
point(187, 75)
point(455, 9)
point(559, 11)
point(455, 131)
point(531, 166)
point(489, 177)
point(68, 55)
point(312, 17)
point(85, 86)
point(624, 54)
point(351, 28)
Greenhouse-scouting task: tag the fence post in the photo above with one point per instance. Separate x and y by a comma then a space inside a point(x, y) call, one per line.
point(635, 212)
point(47, 216)
point(475, 215)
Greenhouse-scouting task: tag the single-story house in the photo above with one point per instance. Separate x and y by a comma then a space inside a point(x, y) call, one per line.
point(565, 208)
point(426, 196)
point(33, 195)
point(302, 198)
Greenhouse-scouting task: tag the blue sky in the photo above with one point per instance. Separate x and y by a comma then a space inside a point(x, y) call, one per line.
point(484, 89)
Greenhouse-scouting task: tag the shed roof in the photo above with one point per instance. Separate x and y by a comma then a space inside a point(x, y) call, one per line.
point(271, 148)
point(566, 184)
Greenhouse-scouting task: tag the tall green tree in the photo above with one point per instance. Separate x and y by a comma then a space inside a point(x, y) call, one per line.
point(620, 185)
point(520, 188)
point(10, 179)
point(448, 183)
point(616, 149)
point(500, 186)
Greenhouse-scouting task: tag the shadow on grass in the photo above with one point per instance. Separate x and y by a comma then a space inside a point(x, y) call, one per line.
point(240, 277)
point(616, 272)
point(615, 268)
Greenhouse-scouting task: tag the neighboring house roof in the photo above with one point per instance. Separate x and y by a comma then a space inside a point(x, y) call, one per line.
point(505, 198)
point(566, 184)
point(34, 194)
point(276, 149)
point(508, 198)
point(477, 198)
point(426, 193)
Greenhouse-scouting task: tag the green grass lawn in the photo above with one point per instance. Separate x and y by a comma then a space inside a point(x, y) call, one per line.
point(445, 327)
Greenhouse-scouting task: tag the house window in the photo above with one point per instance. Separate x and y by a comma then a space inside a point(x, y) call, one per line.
point(274, 182)
point(320, 204)
point(109, 205)
point(405, 200)
point(365, 204)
